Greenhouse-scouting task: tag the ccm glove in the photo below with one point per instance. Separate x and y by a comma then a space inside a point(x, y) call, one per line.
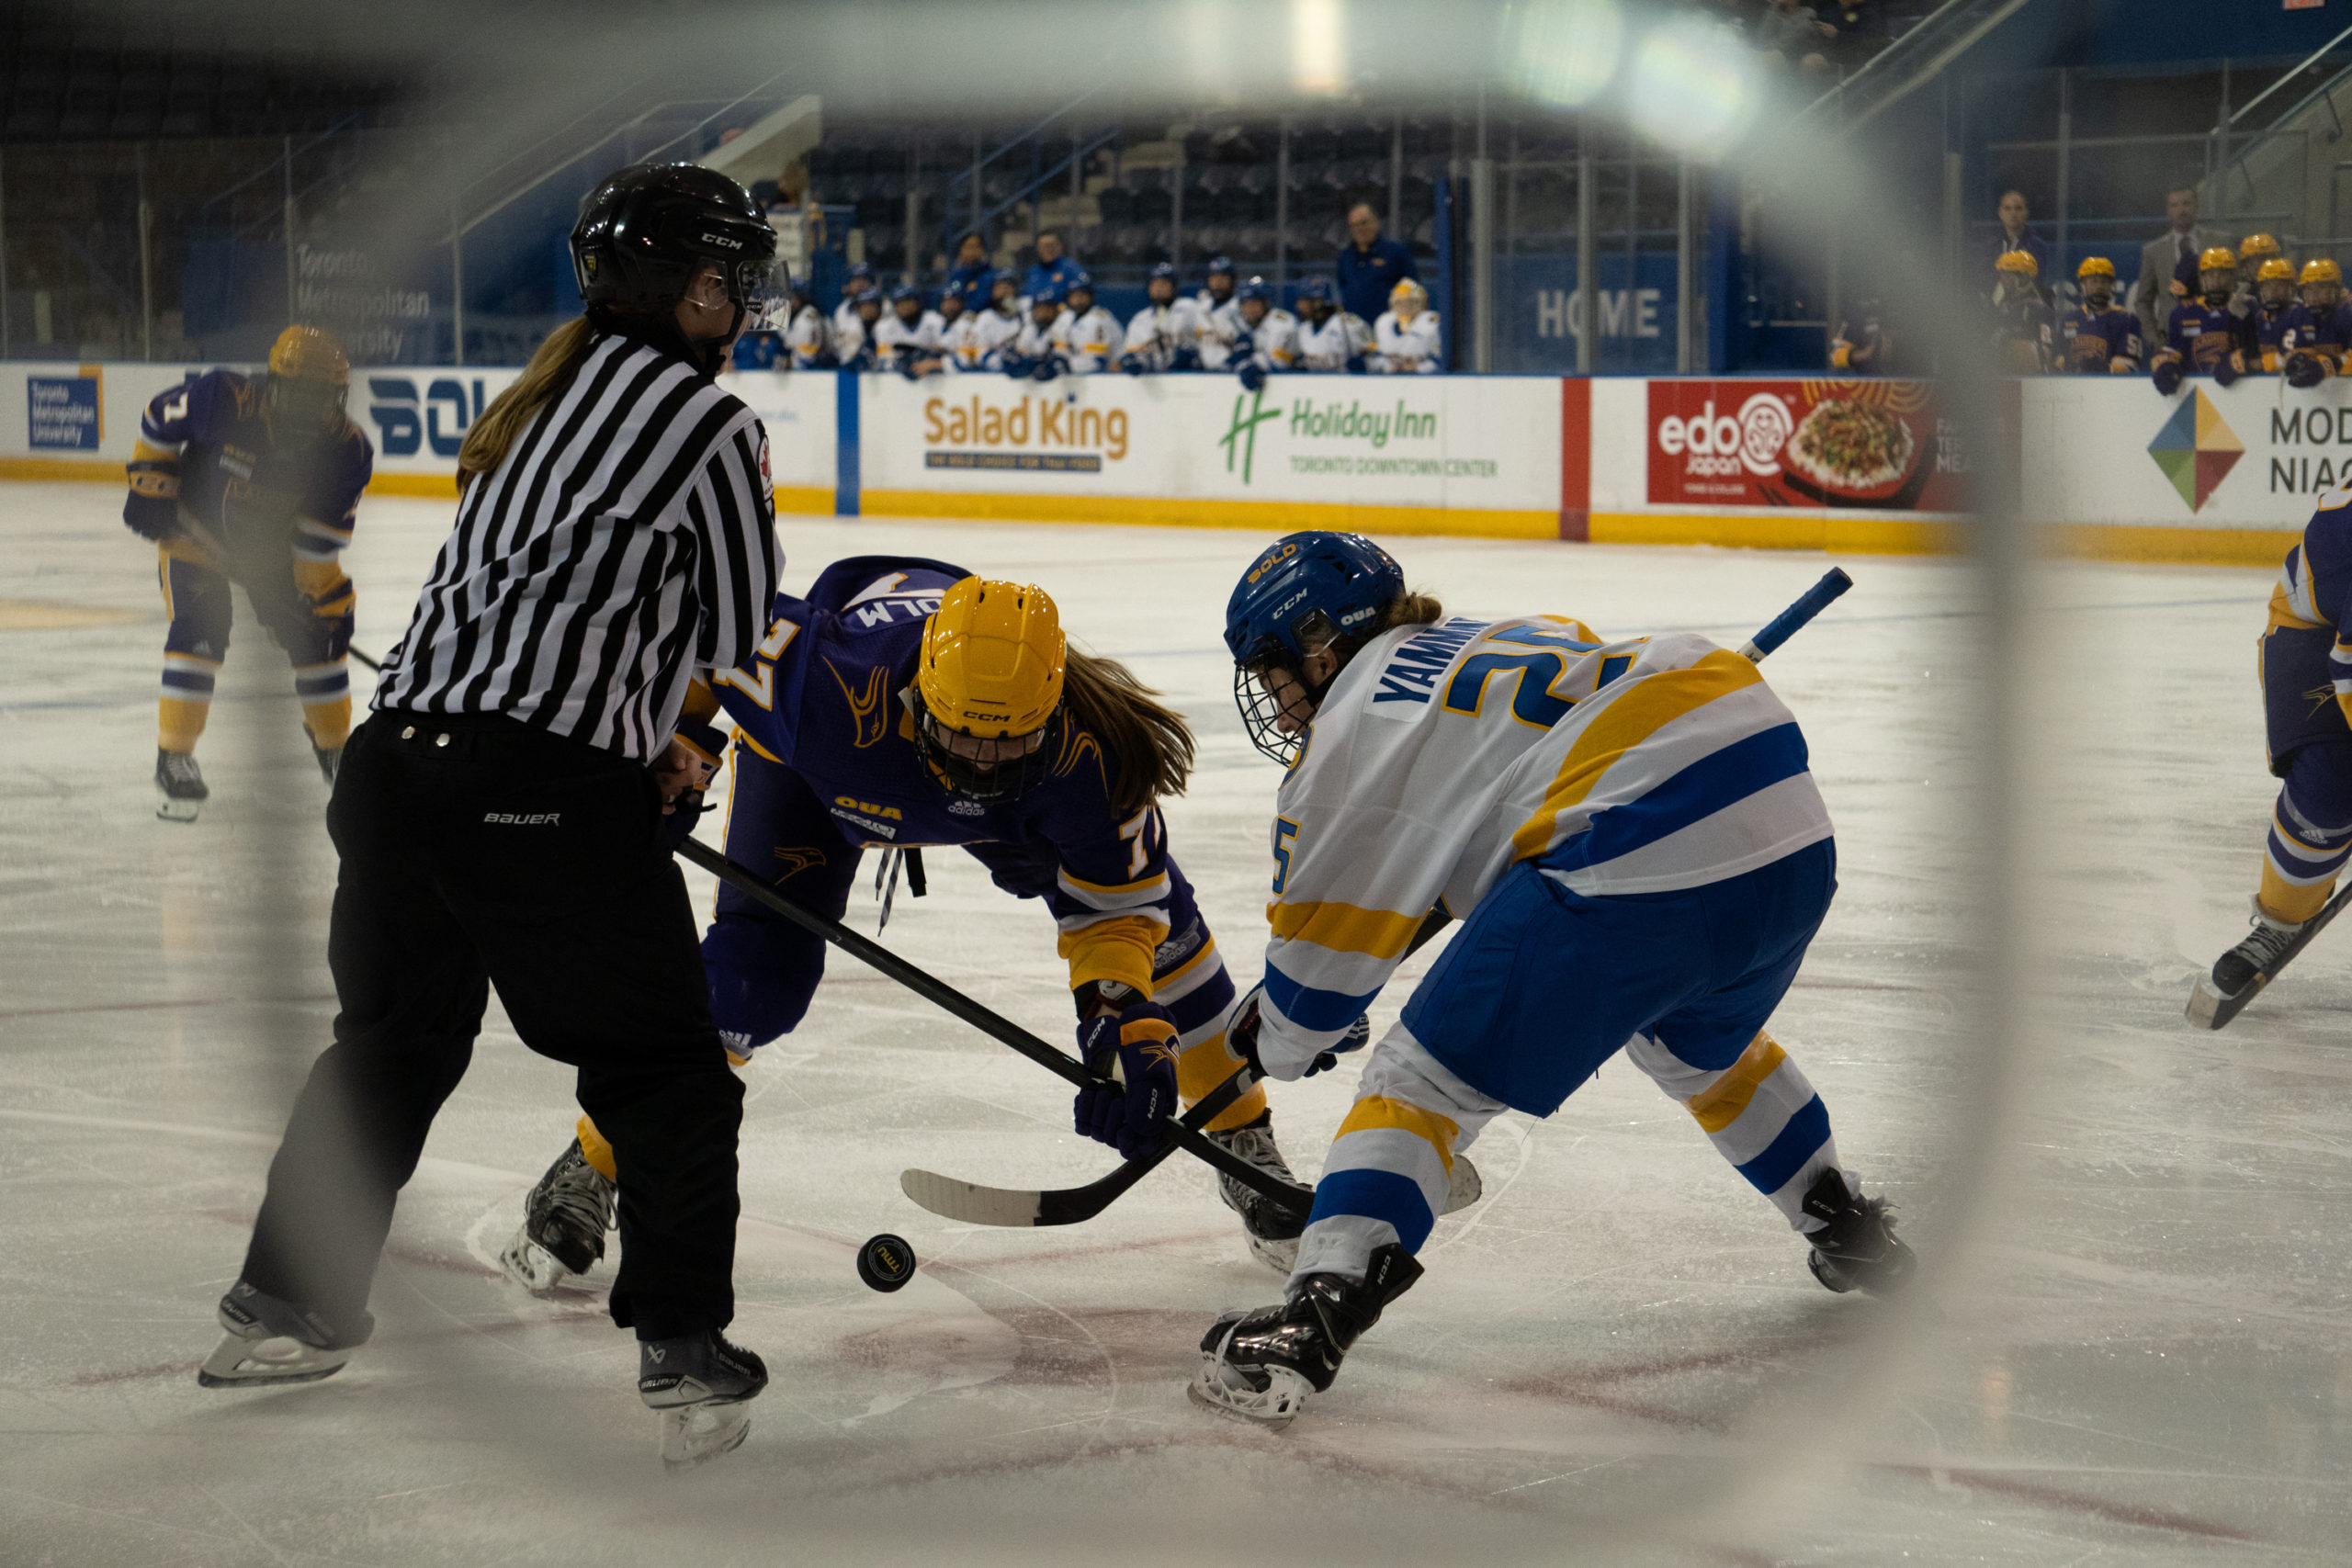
point(1136, 1050)
point(2167, 378)
point(2227, 370)
point(2304, 370)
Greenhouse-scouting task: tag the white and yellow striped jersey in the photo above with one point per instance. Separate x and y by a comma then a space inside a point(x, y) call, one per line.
point(1443, 754)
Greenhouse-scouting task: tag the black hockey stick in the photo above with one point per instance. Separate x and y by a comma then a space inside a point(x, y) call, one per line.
point(980, 1018)
point(2211, 1010)
point(978, 1205)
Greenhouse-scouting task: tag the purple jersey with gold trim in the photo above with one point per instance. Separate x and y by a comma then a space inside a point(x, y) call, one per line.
point(2095, 340)
point(241, 483)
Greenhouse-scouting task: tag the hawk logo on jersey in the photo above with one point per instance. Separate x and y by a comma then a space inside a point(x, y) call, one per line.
point(797, 860)
point(864, 706)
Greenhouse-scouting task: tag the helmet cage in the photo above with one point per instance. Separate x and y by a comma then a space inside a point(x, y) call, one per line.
point(993, 781)
point(303, 407)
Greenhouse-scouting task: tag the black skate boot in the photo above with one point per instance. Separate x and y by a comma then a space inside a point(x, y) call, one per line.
point(1261, 1365)
point(703, 1387)
point(179, 786)
point(564, 1221)
point(1273, 1233)
point(1858, 1249)
point(2242, 970)
point(273, 1341)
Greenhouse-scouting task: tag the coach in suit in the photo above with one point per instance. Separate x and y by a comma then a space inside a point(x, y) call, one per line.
point(2152, 296)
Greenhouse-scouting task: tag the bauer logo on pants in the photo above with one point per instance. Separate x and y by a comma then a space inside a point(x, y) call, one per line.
point(524, 818)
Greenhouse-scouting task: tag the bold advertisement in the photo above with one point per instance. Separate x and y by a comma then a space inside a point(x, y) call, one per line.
point(1875, 445)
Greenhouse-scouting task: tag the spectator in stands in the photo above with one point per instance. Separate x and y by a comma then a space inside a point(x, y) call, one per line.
point(1052, 271)
point(972, 276)
point(1370, 264)
point(1796, 35)
point(2013, 234)
point(2152, 296)
point(1405, 338)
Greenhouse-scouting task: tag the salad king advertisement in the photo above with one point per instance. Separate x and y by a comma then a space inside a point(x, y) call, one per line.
point(1879, 446)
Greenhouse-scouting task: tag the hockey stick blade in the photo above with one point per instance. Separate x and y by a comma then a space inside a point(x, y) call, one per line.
point(2208, 1009)
point(993, 1024)
point(978, 1205)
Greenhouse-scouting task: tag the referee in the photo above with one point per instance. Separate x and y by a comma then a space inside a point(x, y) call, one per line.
point(499, 815)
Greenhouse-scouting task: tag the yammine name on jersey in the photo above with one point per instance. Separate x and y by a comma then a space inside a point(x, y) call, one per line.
point(1444, 754)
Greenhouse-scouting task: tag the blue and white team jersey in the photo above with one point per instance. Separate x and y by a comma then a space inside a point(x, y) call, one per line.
point(1444, 754)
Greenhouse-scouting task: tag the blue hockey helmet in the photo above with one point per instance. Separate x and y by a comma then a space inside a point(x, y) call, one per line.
point(858, 273)
point(906, 291)
point(1316, 288)
point(1052, 294)
point(1077, 280)
point(1221, 263)
point(1255, 290)
point(1160, 270)
point(1306, 591)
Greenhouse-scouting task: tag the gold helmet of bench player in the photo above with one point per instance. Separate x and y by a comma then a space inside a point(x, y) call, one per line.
point(2018, 261)
point(990, 680)
point(308, 378)
point(2321, 284)
point(2274, 283)
point(2256, 249)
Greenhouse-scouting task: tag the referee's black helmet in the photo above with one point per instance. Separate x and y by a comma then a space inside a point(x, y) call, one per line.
point(647, 230)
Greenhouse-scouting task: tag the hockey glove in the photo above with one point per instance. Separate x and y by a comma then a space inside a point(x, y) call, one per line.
point(1047, 367)
point(1253, 375)
point(1137, 1049)
point(1017, 366)
point(1356, 366)
point(1134, 365)
point(2304, 370)
point(679, 818)
point(2227, 369)
point(2167, 378)
point(1186, 359)
point(155, 517)
point(1241, 1037)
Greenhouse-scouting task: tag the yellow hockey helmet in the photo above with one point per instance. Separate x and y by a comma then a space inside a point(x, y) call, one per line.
point(309, 353)
point(2321, 269)
point(2255, 245)
point(2218, 258)
point(1409, 292)
point(309, 378)
point(2095, 266)
point(2277, 268)
point(2020, 262)
point(989, 676)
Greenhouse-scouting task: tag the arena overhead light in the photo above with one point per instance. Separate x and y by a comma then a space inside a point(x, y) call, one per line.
point(1317, 47)
point(1564, 51)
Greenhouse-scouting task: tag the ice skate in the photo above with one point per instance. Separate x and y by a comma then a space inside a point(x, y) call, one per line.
point(564, 1221)
point(179, 786)
point(1260, 1366)
point(272, 1341)
point(1271, 1234)
point(1858, 1249)
point(2242, 970)
point(703, 1387)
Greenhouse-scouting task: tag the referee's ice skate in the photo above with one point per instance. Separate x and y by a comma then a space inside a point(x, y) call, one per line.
point(273, 1341)
point(703, 1387)
point(564, 1221)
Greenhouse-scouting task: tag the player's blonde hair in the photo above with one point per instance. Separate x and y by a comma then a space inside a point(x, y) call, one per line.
point(1411, 609)
point(1147, 744)
point(543, 380)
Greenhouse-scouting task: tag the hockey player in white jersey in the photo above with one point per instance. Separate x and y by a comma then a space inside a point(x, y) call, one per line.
point(1220, 309)
point(1036, 352)
point(1166, 334)
point(1218, 289)
point(906, 340)
point(808, 335)
point(855, 340)
point(1088, 336)
point(976, 340)
point(1330, 339)
point(1267, 336)
point(1640, 858)
point(1404, 340)
point(859, 283)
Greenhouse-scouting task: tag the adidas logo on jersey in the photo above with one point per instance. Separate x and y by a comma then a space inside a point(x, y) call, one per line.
point(963, 808)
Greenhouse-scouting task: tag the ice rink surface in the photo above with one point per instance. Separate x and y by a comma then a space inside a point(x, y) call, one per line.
point(1617, 1357)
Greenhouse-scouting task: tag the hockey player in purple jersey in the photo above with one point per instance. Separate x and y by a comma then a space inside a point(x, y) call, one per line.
point(2102, 337)
point(2306, 670)
point(2274, 306)
point(904, 703)
point(2203, 336)
point(252, 480)
point(2318, 331)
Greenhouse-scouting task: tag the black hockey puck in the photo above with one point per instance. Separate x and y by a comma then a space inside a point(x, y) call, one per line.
point(885, 1261)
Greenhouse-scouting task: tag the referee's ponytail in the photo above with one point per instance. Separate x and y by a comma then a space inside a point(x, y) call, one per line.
point(543, 380)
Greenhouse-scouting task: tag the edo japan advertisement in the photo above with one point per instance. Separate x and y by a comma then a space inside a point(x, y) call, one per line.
point(1870, 445)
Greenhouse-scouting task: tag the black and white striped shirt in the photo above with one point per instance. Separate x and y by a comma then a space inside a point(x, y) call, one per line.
point(628, 538)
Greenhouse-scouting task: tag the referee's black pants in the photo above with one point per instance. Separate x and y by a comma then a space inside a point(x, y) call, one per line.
point(479, 851)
